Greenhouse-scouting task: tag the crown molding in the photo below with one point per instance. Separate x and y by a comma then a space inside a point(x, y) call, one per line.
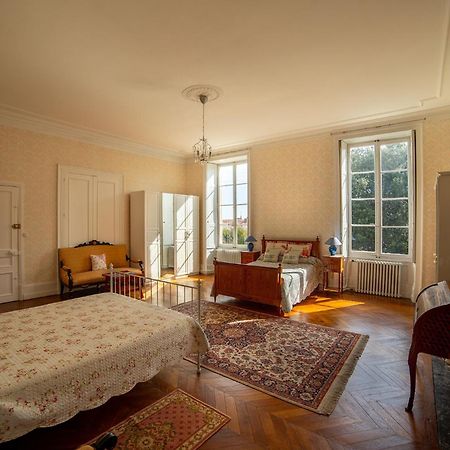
point(17, 118)
point(376, 120)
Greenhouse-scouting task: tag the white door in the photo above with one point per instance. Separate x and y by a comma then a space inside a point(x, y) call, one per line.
point(186, 256)
point(152, 238)
point(9, 244)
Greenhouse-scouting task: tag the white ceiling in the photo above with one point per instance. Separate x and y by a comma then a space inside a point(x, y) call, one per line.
point(284, 67)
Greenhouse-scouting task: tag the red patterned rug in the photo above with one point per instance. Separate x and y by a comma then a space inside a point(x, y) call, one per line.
point(304, 364)
point(177, 421)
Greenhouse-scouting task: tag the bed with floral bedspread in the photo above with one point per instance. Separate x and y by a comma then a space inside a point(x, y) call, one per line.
point(66, 357)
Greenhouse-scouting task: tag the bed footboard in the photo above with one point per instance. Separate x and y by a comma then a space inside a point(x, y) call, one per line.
point(247, 282)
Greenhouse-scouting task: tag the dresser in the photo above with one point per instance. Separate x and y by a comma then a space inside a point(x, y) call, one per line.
point(248, 257)
point(334, 264)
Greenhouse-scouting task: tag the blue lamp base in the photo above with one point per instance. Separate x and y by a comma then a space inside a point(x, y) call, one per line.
point(332, 250)
point(250, 246)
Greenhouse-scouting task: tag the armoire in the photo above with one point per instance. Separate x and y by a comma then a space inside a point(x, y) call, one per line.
point(147, 211)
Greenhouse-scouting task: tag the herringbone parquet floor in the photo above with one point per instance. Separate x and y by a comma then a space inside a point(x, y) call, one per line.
point(369, 415)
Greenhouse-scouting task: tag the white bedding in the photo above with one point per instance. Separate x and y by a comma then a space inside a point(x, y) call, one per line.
point(300, 280)
point(65, 357)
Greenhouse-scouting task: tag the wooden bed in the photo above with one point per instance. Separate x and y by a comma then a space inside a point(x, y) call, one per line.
point(255, 283)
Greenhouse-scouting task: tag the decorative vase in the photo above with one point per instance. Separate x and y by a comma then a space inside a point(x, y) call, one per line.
point(250, 247)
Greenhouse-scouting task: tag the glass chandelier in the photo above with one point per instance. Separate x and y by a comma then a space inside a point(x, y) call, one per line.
point(202, 149)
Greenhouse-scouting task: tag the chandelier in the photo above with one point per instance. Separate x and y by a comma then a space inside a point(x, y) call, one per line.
point(202, 93)
point(202, 149)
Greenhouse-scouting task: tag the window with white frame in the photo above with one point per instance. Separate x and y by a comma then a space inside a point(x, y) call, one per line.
point(380, 204)
point(233, 203)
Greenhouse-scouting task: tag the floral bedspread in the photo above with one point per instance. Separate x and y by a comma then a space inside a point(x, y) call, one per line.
point(65, 357)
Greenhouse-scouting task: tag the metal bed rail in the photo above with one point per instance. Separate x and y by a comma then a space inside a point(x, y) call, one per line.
point(155, 290)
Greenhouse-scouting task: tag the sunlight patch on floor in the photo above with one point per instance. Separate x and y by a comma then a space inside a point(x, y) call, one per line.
point(325, 304)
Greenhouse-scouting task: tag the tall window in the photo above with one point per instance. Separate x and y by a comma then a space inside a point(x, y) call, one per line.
point(233, 203)
point(380, 198)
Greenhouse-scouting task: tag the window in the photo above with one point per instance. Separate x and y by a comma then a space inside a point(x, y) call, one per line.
point(233, 203)
point(380, 199)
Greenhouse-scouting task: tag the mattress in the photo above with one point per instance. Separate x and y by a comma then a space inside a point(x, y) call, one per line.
point(299, 280)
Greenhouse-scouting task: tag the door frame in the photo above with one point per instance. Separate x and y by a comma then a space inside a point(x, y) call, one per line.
point(20, 246)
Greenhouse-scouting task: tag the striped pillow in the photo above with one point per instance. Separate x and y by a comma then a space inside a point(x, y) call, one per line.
point(271, 254)
point(291, 257)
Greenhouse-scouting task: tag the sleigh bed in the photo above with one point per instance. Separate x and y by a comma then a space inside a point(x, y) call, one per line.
point(275, 284)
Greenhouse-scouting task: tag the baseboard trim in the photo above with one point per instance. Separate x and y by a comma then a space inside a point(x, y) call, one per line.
point(35, 290)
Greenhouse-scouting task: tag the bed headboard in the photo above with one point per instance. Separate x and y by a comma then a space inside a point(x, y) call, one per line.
point(315, 250)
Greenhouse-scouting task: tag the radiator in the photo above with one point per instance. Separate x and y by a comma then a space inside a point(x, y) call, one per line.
point(378, 277)
point(228, 255)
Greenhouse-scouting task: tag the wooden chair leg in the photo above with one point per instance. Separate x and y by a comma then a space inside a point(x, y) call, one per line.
point(412, 363)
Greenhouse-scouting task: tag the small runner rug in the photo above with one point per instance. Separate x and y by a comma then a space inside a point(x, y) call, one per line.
point(304, 364)
point(177, 421)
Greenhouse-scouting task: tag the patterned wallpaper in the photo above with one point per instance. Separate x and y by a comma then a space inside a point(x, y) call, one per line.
point(436, 157)
point(294, 189)
point(32, 158)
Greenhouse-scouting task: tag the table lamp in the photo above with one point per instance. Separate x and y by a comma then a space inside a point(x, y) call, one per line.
point(250, 239)
point(332, 242)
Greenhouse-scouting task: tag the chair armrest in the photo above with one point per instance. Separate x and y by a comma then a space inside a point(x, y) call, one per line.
point(68, 270)
point(136, 261)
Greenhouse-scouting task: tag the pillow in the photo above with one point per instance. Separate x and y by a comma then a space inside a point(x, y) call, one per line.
point(305, 249)
point(292, 256)
point(280, 245)
point(98, 262)
point(272, 254)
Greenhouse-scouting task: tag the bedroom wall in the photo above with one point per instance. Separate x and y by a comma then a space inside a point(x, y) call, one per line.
point(436, 158)
point(294, 189)
point(31, 158)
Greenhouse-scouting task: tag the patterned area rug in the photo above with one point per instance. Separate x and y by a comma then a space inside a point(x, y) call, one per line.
point(307, 365)
point(177, 421)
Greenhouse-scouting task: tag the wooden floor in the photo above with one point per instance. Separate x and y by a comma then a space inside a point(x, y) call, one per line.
point(369, 415)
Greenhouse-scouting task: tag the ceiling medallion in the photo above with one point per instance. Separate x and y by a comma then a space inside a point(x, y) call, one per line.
point(202, 94)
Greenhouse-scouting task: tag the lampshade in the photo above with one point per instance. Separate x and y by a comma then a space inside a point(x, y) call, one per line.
point(250, 239)
point(333, 241)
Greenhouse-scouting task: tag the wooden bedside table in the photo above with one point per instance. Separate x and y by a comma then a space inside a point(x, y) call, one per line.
point(334, 264)
point(248, 257)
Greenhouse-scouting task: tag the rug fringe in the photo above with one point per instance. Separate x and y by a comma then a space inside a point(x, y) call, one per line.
point(340, 382)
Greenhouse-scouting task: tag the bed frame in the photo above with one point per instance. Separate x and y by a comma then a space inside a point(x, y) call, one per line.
point(255, 283)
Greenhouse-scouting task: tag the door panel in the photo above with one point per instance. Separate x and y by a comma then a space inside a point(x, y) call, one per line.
point(79, 206)
point(186, 234)
point(9, 244)
point(153, 236)
point(106, 211)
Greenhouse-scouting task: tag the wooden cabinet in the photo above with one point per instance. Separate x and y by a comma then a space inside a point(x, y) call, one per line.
point(248, 257)
point(333, 264)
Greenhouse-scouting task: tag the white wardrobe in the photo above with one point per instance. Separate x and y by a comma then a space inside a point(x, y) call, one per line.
point(146, 227)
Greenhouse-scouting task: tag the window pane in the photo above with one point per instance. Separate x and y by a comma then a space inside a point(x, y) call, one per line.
point(363, 185)
point(363, 239)
point(226, 214)
point(394, 156)
point(226, 195)
point(241, 193)
point(242, 233)
point(241, 173)
point(395, 240)
point(363, 159)
point(226, 234)
point(241, 213)
point(363, 212)
point(395, 184)
point(395, 212)
point(225, 175)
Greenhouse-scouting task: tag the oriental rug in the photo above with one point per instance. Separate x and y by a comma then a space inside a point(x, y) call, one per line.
point(304, 364)
point(177, 421)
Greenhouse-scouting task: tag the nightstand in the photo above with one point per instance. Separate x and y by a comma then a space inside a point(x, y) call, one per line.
point(248, 257)
point(334, 264)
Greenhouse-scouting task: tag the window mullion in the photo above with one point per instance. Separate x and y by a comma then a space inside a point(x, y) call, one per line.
point(378, 209)
point(234, 207)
